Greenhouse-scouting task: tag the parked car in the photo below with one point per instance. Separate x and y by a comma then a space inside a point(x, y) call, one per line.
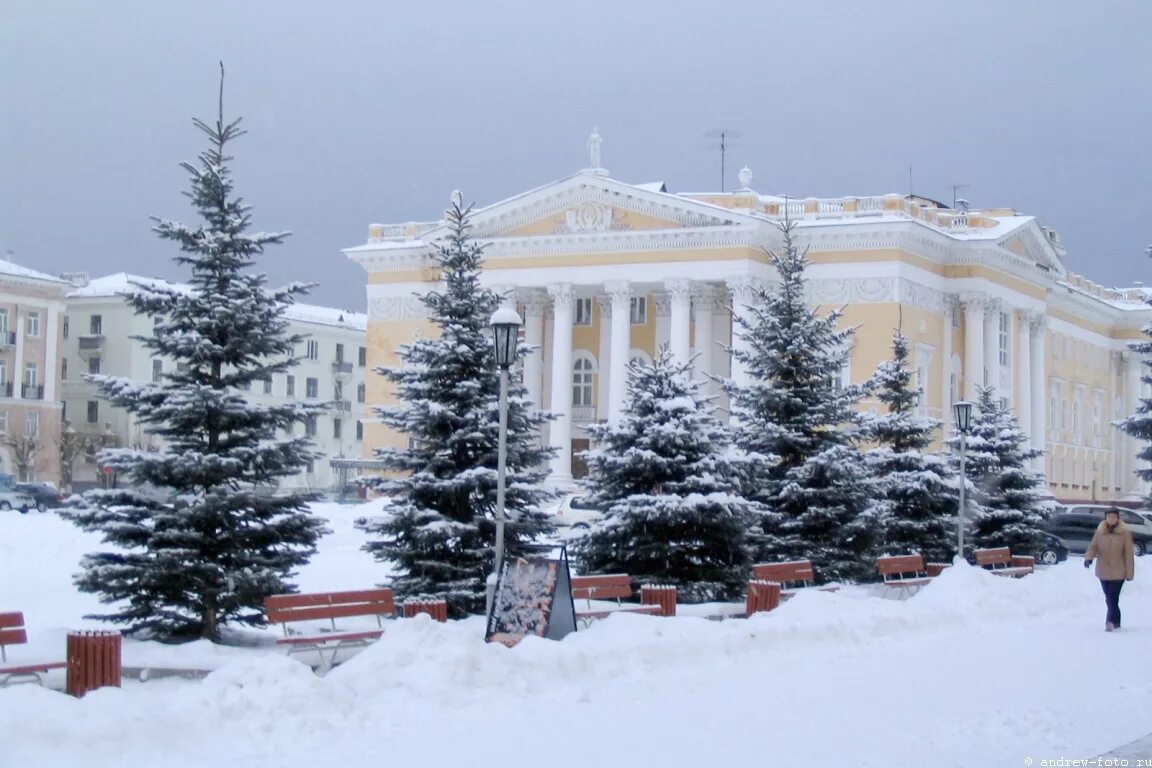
point(1077, 528)
point(576, 512)
point(16, 500)
point(1135, 521)
point(45, 495)
point(1053, 550)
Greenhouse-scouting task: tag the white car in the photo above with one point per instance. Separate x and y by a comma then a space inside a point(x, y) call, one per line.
point(575, 512)
point(16, 500)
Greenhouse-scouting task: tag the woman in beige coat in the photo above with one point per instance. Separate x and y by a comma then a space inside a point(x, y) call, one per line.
point(1111, 548)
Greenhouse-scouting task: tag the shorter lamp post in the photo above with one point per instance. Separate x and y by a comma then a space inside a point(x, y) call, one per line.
point(963, 411)
point(505, 324)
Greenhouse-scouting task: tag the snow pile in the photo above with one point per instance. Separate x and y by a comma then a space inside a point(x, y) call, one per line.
point(972, 670)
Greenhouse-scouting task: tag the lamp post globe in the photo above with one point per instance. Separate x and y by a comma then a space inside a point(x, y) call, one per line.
point(505, 324)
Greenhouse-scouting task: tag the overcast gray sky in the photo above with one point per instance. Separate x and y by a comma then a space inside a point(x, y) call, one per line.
point(374, 111)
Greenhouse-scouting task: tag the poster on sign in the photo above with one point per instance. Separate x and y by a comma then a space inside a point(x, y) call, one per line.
point(533, 597)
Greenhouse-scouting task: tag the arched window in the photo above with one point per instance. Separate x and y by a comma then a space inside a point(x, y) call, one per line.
point(582, 370)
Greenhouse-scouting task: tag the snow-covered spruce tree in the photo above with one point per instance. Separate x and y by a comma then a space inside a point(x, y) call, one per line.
point(187, 569)
point(441, 533)
point(921, 488)
point(822, 498)
point(1007, 510)
point(669, 482)
point(1139, 424)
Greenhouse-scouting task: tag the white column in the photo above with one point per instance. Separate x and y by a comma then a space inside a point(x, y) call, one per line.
point(534, 306)
point(950, 309)
point(621, 294)
point(18, 373)
point(743, 290)
point(1038, 382)
point(704, 304)
point(1022, 394)
point(973, 346)
point(603, 396)
point(506, 294)
point(51, 362)
point(560, 434)
point(992, 346)
point(662, 304)
point(1133, 485)
point(680, 292)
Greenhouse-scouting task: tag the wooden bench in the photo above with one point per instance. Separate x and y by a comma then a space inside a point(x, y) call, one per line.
point(329, 606)
point(907, 573)
point(792, 576)
point(12, 632)
point(611, 587)
point(1002, 562)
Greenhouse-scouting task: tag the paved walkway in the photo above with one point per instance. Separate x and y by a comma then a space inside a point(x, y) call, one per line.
point(1141, 749)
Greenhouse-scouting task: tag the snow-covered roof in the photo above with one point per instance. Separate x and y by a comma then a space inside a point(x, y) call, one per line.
point(15, 270)
point(121, 283)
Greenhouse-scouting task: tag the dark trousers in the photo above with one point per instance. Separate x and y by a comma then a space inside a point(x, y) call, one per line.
point(1112, 598)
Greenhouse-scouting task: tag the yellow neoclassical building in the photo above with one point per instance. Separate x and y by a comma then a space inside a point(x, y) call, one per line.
point(604, 271)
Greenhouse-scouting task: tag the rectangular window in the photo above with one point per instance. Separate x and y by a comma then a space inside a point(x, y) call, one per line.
point(157, 369)
point(267, 385)
point(4, 321)
point(310, 426)
point(290, 386)
point(638, 310)
point(64, 328)
point(94, 364)
point(31, 374)
point(1005, 335)
point(3, 372)
point(32, 324)
point(363, 356)
point(245, 385)
point(583, 314)
point(921, 387)
point(313, 350)
point(337, 428)
point(361, 390)
point(359, 430)
point(337, 390)
point(1076, 414)
point(64, 369)
point(95, 325)
point(3, 422)
point(93, 411)
point(311, 467)
point(32, 424)
point(339, 353)
point(312, 387)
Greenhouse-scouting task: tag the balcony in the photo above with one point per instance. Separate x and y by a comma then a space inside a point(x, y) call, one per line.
point(32, 391)
point(342, 369)
point(341, 406)
point(583, 414)
point(91, 344)
point(7, 338)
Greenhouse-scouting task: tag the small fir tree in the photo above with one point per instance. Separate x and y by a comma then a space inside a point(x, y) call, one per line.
point(187, 569)
point(441, 532)
point(669, 482)
point(795, 409)
point(1139, 424)
point(921, 488)
point(1007, 510)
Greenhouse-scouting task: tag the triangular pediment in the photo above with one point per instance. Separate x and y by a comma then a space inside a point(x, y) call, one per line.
point(586, 203)
point(1030, 243)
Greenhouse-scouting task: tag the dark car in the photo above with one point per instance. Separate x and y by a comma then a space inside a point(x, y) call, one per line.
point(1052, 550)
point(45, 496)
point(1077, 529)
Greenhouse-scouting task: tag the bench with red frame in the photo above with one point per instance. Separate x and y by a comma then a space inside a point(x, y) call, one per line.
point(329, 606)
point(1002, 562)
point(12, 632)
point(611, 587)
point(792, 576)
point(907, 573)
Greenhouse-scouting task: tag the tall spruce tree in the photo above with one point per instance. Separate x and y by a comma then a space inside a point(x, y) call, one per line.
point(1007, 510)
point(669, 482)
point(186, 570)
point(920, 487)
point(823, 500)
point(441, 532)
point(1139, 424)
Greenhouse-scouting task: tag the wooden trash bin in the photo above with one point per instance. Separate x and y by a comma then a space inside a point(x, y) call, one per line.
point(436, 607)
point(662, 595)
point(762, 596)
point(93, 661)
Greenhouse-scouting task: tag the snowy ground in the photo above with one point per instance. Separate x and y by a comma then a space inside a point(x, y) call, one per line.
point(973, 671)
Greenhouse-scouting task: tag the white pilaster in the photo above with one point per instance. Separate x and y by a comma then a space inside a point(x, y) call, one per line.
point(704, 305)
point(973, 346)
point(18, 365)
point(660, 304)
point(680, 293)
point(951, 307)
point(534, 306)
point(621, 340)
point(992, 347)
point(560, 434)
point(1022, 392)
point(743, 290)
point(1038, 384)
point(604, 363)
point(51, 360)
point(1133, 485)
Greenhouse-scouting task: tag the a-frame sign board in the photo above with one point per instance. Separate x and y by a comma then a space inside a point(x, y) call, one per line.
point(533, 597)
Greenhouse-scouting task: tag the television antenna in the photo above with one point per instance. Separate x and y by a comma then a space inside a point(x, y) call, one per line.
point(726, 136)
